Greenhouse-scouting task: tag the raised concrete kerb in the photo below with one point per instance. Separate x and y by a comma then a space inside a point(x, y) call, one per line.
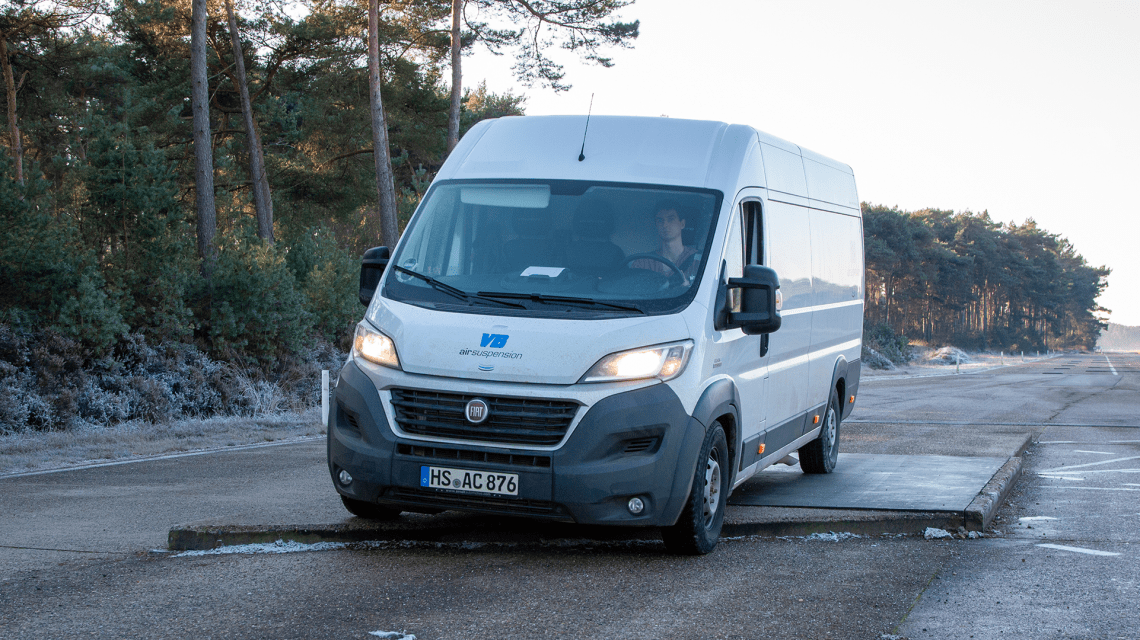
point(981, 511)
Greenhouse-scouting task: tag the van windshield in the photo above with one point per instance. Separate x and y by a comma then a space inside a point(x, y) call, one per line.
point(554, 248)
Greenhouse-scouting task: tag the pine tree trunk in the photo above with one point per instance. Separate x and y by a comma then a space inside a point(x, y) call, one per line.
point(203, 149)
point(385, 187)
point(262, 199)
point(456, 77)
point(13, 127)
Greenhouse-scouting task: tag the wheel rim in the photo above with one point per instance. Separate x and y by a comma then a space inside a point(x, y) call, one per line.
point(712, 488)
point(831, 426)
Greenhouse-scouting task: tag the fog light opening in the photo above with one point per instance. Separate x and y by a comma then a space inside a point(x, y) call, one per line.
point(344, 477)
point(636, 506)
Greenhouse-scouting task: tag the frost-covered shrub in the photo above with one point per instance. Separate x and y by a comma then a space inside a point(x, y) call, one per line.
point(883, 340)
point(50, 381)
point(948, 355)
point(875, 360)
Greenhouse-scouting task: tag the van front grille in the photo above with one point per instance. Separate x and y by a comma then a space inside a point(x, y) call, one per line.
point(462, 455)
point(521, 421)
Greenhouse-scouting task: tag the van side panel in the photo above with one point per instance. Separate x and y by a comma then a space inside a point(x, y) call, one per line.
point(837, 279)
point(789, 253)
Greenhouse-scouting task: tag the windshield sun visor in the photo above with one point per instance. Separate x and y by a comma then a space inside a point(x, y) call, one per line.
point(530, 196)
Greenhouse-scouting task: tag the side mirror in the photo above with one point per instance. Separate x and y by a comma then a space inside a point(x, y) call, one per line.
point(372, 267)
point(758, 314)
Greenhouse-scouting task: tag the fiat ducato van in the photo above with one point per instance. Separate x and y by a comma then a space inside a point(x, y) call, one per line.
point(605, 320)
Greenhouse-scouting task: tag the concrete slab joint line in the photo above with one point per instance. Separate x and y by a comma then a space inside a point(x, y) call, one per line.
point(980, 513)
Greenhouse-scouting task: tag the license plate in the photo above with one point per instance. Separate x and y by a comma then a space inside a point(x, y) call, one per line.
point(499, 484)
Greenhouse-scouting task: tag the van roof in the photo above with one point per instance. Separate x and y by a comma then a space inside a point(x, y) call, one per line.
point(693, 153)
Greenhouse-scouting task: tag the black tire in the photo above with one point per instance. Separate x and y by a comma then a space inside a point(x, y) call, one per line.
point(821, 454)
point(698, 528)
point(368, 510)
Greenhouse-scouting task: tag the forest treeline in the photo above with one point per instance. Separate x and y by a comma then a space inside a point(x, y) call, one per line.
point(945, 278)
point(1120, 337)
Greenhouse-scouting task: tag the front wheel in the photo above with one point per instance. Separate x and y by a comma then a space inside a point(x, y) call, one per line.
point(698, 528)
point(821, 454)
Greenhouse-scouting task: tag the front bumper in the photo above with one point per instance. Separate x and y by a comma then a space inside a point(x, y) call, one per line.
point(636, 443)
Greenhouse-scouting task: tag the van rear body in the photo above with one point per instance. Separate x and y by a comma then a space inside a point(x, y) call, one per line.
point(619, 339)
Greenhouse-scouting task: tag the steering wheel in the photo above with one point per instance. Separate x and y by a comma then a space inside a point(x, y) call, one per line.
point(675, 271)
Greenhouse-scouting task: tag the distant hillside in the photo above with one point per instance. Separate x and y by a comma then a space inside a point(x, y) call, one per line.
point(1119, 337)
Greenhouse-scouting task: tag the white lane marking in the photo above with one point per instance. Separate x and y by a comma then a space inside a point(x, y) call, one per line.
point(168, 456)
point(1110, 366)
point(392, 635)
point(1091, 552)
point(1088, 464)
point(1124, 442)
point(1103, 453)
point(1037, 518)
point(1050, 477)
point(1061, 486)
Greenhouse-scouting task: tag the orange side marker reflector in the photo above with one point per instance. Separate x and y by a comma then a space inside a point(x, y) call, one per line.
point(815, 420)
point(852, 399)
point(761, 448)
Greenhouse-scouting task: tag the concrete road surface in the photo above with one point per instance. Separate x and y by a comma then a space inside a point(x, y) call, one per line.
point(75, 560)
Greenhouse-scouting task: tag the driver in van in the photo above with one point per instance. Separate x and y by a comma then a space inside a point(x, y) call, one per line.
point(670, 224)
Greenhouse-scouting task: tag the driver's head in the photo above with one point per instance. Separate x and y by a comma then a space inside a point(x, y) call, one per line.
point(669, 220)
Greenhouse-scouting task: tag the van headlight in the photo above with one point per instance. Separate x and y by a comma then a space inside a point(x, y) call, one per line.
point(664, 361)
point(374, 347)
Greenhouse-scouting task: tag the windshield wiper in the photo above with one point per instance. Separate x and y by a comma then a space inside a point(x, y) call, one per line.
point(547, 299)
point(453, 291)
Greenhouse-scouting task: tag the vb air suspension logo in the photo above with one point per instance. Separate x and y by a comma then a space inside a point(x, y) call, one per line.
point(490, 346)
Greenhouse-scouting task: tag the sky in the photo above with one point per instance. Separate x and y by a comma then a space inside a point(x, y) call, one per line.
point(1022, 109)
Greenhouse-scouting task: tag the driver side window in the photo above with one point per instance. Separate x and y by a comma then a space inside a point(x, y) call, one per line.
point(734, 263)
point(745, 246)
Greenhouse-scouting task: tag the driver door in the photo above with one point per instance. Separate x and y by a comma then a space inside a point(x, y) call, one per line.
point(743, 357)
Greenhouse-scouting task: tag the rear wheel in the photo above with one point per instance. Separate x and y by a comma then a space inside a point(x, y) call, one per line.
point(368, 510)
point(821, 454)
point(698, 529)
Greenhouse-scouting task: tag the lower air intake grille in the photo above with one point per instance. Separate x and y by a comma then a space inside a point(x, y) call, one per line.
point(468, 502)
point(524, 421)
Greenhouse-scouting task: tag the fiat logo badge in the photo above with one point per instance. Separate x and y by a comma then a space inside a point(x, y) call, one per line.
point(477, 411)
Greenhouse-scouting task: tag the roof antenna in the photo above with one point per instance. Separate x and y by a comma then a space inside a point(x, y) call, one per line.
point(582, 153)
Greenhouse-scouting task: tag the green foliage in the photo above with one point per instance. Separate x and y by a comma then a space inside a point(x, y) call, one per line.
point(256, 311)
point(585, 27)
point(328, 277)
point(47, 277)
point(39, 254)
point(92, 316)
point(133, 216)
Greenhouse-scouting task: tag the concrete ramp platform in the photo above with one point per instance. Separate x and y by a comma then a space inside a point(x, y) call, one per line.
point(875, 482)
point(868, 494)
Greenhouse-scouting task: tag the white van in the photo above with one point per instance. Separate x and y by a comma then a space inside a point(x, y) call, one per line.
point(616, 324)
